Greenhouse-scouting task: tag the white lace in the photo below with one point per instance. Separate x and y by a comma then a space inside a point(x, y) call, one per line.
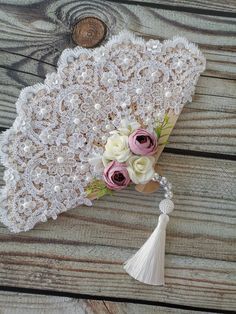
point(64, 123)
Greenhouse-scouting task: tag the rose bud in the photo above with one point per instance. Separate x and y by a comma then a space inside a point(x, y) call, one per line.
point(143, 143)
point(116, 175)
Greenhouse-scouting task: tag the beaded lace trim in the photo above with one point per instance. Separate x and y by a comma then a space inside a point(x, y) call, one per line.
point(63, 124)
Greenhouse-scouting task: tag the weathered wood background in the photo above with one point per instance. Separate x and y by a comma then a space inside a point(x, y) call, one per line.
point(81, 253)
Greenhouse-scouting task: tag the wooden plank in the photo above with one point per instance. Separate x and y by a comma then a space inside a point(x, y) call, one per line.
point(22, 303)
point(213, 5)
point(194, 6)
point(42, 35)
point(83, 250)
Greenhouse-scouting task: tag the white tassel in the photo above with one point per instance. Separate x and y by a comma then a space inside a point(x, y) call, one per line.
point(147, 265)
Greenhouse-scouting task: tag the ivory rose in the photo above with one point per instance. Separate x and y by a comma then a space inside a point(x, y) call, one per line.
point(141, 169)
point(116, 148)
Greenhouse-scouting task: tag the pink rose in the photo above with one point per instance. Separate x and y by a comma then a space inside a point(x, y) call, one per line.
point(116, 175)
point(143, 143)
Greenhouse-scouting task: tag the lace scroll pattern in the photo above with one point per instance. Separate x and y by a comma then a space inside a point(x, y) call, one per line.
point(63, 124)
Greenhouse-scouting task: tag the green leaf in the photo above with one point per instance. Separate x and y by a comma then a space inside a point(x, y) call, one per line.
point(166, 118)
point(163, 126)
point(158, 132)
point(97, 188)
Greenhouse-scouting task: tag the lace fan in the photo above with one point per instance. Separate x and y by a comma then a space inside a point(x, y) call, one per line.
point(98, 124)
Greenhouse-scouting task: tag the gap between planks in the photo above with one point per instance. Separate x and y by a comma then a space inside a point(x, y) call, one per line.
point(24, 301)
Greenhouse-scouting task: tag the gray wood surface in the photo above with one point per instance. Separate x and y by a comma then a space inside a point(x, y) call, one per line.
point(19, 303)
point(83, 250)
point(220, 6)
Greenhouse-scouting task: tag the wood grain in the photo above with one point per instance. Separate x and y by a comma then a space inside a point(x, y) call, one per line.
point(215, 5)
point(44, 33)
point(83, 250)
point(20, 303)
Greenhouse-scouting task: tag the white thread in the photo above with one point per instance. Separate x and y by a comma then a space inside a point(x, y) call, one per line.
point(148, 263)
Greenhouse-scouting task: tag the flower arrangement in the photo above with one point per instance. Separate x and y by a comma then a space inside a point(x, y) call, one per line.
point(128, 156)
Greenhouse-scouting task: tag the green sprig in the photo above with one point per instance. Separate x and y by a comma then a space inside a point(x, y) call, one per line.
point(97, 188)
point(163, 126)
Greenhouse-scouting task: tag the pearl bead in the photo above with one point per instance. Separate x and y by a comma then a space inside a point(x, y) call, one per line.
point(83, 74)
point(97, 106)
point(138, 91)
point(43, 111)
point(107, 127)
point(60, 160)
point(168, 94)
point(163, 181)
point(156, 176)
point(126, 61)
point(166, 206)
point(88, 178)
point(27, 148)
point(95, 128)
point(179, 63)
point(27, 204)
point(57, 188)
point(76, 121)
point(82, 167)
point(168, 195)
point(123, 105)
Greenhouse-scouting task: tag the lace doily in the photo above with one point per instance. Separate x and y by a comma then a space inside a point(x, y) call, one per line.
point(63, 124)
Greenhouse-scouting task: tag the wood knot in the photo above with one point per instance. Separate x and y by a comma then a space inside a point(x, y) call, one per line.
point(89, 32)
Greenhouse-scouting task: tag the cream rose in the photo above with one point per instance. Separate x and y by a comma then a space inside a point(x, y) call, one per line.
point(141, 169)
point(117, 148)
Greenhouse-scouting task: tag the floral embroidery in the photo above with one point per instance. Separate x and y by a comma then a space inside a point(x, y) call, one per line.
point(60, 160)
point(54, 149)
